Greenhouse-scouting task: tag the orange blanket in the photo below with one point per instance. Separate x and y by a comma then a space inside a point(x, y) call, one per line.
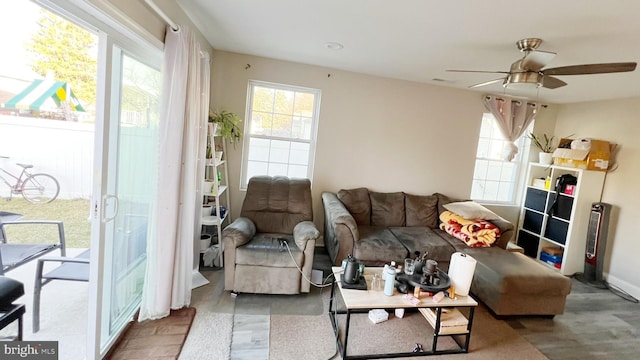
point(475, 233)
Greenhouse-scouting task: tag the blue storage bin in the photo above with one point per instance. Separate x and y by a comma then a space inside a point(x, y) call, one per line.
point(552, 259)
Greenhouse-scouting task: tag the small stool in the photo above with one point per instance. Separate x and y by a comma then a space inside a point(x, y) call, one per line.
point(10, 290)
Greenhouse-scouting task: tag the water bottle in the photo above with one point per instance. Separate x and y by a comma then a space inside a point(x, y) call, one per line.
point(384, 272)
point(390, 280)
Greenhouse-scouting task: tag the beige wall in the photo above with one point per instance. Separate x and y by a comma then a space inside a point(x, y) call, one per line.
point(140, 18)
point(384, 134)
point(616, 121)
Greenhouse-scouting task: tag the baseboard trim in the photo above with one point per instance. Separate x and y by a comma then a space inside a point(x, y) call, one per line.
point(625, 286)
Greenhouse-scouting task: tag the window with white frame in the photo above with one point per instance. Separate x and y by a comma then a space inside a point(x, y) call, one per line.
point(280, 131)
point(496, 180)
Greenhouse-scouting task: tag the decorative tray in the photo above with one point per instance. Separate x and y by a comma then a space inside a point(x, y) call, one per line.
point(424, 284)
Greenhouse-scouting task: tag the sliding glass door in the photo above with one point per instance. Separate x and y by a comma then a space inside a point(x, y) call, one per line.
point(126, 166)
point(124, 173)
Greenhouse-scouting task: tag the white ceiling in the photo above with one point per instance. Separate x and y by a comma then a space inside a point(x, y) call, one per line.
point(418, 40)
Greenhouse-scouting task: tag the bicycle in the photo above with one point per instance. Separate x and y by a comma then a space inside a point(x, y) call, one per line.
point(37, 188)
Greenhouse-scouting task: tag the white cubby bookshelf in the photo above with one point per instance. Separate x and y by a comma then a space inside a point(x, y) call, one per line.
point(567, 227)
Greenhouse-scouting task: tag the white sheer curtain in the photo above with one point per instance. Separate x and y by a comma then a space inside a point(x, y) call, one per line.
point(185, 100)
point(513, 116)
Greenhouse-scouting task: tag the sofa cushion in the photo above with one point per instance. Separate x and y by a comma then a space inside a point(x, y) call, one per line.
point(471, 210)
point(378, 246)
point(455, 243)
point(277, 204)
point(444, 199)
point(421, 210)
point(387, 209)
point(358, 203)
point(424, 239)
point(259, 251)
point(508, 272)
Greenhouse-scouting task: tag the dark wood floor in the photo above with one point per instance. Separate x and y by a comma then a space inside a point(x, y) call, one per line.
point(597, 324)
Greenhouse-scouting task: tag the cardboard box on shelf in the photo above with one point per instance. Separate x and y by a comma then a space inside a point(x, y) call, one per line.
point(597, 158)
point(553, 250)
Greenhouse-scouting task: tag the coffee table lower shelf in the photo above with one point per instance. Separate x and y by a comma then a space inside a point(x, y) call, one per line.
point(458, 331)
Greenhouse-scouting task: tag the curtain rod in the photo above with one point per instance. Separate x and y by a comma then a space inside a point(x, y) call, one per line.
point(162, 14)
point(501, 98)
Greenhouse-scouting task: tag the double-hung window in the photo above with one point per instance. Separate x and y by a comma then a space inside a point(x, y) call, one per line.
point(280, 131)
point(496, 180)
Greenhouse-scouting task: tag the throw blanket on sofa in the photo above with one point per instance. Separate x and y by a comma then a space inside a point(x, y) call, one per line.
point(475, 233)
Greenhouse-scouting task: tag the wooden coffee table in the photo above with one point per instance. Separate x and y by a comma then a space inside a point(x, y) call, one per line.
point(361, 301)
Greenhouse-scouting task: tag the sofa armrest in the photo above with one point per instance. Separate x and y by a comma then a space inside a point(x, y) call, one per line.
point(238, 233)
point(340, 228)
point(338, 213)
point(304, 232)
point(506, 231)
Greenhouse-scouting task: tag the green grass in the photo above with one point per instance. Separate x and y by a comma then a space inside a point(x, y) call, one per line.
point(73, 213)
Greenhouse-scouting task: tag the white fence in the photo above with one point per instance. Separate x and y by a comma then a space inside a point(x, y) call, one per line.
point(60, 148)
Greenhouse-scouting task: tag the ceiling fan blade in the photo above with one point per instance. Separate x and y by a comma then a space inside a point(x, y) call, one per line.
point(480, 71)
point(552, 83)
point(536, 60)
point(591, 69)
point(487, 83)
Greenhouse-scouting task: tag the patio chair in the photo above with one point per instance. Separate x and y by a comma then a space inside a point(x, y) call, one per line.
point(13, 253)
point(8, 216)
point(10, 290)
point(70, 269)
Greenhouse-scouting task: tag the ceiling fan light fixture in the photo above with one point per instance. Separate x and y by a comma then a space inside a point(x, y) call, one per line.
point(523, 80)
point(530, 72)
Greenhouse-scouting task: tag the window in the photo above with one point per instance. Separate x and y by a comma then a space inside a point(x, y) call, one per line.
point(280, 132)
point(496, 180)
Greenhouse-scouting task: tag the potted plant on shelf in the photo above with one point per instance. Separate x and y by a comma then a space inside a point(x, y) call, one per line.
point(227, 123)
point(546, 145)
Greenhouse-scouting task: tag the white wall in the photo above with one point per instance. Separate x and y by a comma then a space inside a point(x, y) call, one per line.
point(60, 148)
point(614, 121)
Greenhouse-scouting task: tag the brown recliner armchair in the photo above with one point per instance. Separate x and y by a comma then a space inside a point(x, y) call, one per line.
point(274, 228)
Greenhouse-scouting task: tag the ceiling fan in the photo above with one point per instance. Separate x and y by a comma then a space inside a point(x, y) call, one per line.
point(529, 69)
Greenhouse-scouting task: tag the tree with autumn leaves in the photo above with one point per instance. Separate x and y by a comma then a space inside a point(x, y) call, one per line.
point(66, 50)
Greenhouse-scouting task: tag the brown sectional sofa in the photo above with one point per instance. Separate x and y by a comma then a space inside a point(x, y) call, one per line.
point(379, 227)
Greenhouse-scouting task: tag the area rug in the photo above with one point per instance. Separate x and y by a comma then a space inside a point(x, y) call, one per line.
point(258, 304)
point(209, 338)
point(312, 336)
point(155, 339)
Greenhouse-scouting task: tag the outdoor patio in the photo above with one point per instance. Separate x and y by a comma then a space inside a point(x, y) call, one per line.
point(63, 310)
